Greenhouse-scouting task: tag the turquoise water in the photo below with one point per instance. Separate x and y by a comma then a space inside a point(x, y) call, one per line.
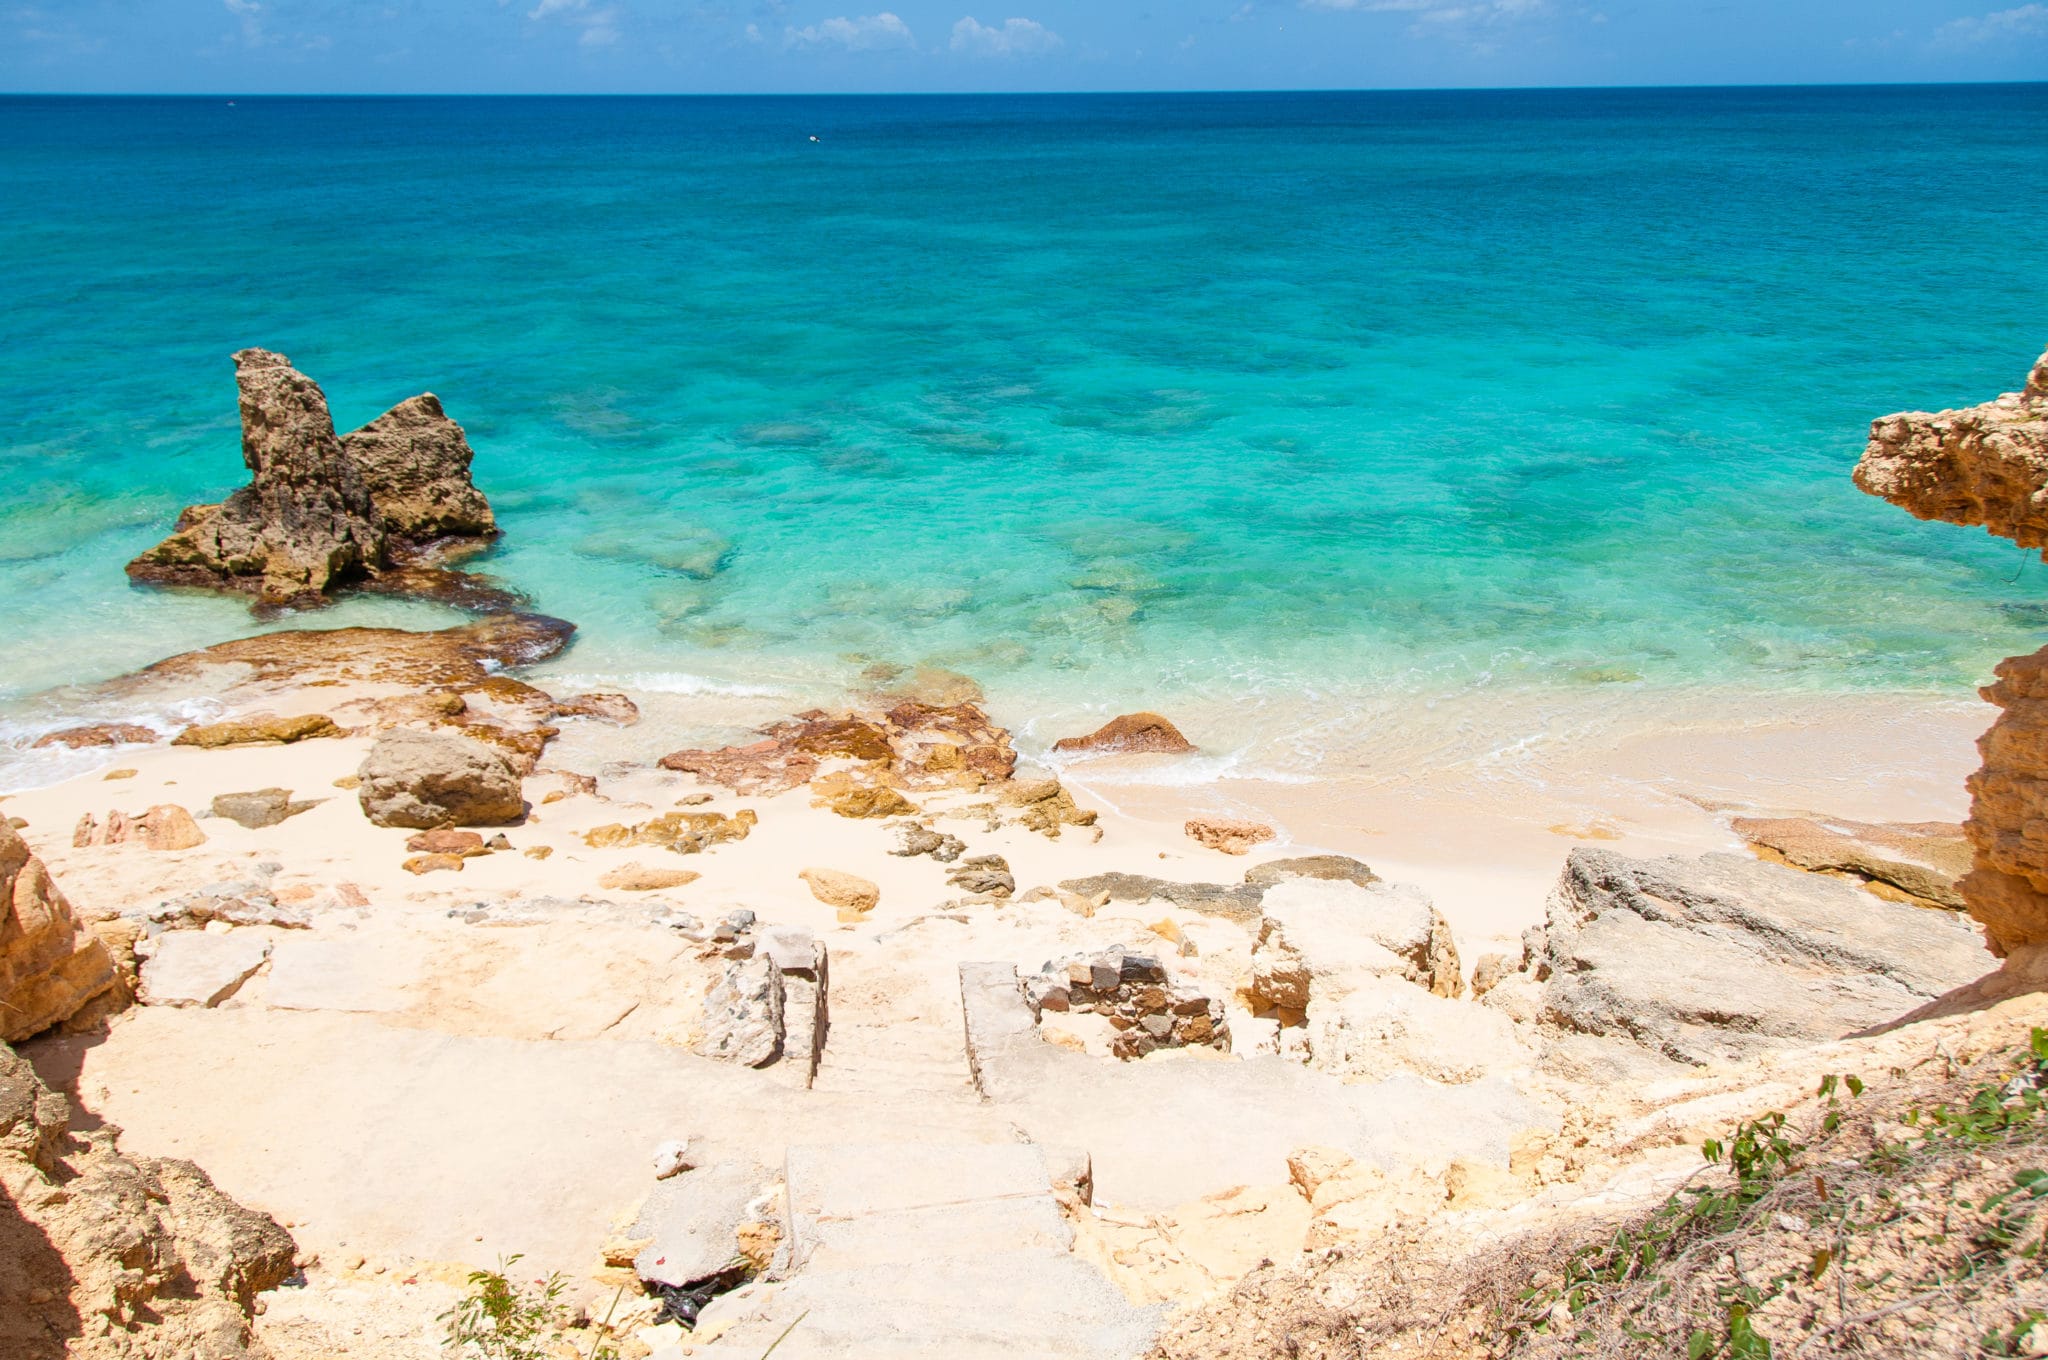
point(1094, 396)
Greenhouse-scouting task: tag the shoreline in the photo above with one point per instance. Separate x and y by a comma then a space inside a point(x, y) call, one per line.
point(1475, 796)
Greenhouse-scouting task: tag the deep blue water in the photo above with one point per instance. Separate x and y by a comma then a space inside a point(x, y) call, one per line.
point(1109, 394)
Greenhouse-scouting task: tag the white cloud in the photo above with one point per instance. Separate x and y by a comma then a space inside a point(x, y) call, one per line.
point(251, 15)
point(1016, 38)
point(865, 34)
point(1475, 24)
point(599, 25)
point(2026, 21)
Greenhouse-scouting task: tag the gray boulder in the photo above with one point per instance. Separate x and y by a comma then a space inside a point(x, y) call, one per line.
point(1715, 958)
point(424, 780)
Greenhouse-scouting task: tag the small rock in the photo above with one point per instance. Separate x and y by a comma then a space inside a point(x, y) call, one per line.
point(1141, 968)
point(870, 802)
point(1132, 733)
point(427, 864)
point(448, 841)
point(1335, 867)
point(259, 730)
point(640, 878)
point(1231, 835)
point(988, 874)
point(836, 888)
point(169, 827)
point(732, 925)
point(498, 842)
point(120, 774)
point(257, 808)
point(1488, 972)
point(97, 734)
point(672, 1158)
point(538, 851)
point(611, 708)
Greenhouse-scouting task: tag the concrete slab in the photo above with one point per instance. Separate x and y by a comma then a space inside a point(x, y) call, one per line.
point(1017, 1305)
point(308, 973)
point(200, 968)
point(689, 1222)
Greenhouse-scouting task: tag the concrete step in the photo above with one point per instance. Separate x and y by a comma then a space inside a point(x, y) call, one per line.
point(941, 1251)
point(1041, 1304)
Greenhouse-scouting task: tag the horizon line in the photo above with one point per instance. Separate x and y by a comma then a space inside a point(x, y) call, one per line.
point(1013, 94)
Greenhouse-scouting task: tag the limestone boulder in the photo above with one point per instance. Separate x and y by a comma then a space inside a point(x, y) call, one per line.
point(1387, 1026)
point(987, 875)
point(1923, 861)
point(1988, 465)
point(914, 745)
point(1341, 867)
point(1719, 957)
point(1322, 939)
point(51, 968)
point(424, 780)
point(109, 1257)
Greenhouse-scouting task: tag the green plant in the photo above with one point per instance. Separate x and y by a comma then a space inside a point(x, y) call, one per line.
point(501, 1320)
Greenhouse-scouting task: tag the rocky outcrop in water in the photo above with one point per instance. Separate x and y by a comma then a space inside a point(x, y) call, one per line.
point(322, 511)
point(1988, 465)
point(51, 968)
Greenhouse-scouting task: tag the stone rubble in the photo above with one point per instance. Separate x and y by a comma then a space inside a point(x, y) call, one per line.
point(1149, 1009)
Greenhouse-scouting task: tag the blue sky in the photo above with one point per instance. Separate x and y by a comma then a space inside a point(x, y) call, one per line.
point(865, 45)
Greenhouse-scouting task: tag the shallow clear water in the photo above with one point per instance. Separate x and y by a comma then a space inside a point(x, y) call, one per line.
point(1103, 398)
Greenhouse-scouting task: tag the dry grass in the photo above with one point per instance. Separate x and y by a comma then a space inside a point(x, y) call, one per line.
point(1907, 1224)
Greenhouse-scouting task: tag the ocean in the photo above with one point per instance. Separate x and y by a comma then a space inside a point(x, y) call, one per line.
point(1106, 400)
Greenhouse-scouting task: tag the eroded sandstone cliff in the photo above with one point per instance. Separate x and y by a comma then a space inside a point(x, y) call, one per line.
point(110, 1257)
point(1988, 465)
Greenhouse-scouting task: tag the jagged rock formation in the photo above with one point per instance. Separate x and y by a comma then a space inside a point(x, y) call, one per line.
point(414, 461)
point(1988, 465)
point(1985, 465)
point(107, 1257)
point(323, 510)
point(51, 968)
